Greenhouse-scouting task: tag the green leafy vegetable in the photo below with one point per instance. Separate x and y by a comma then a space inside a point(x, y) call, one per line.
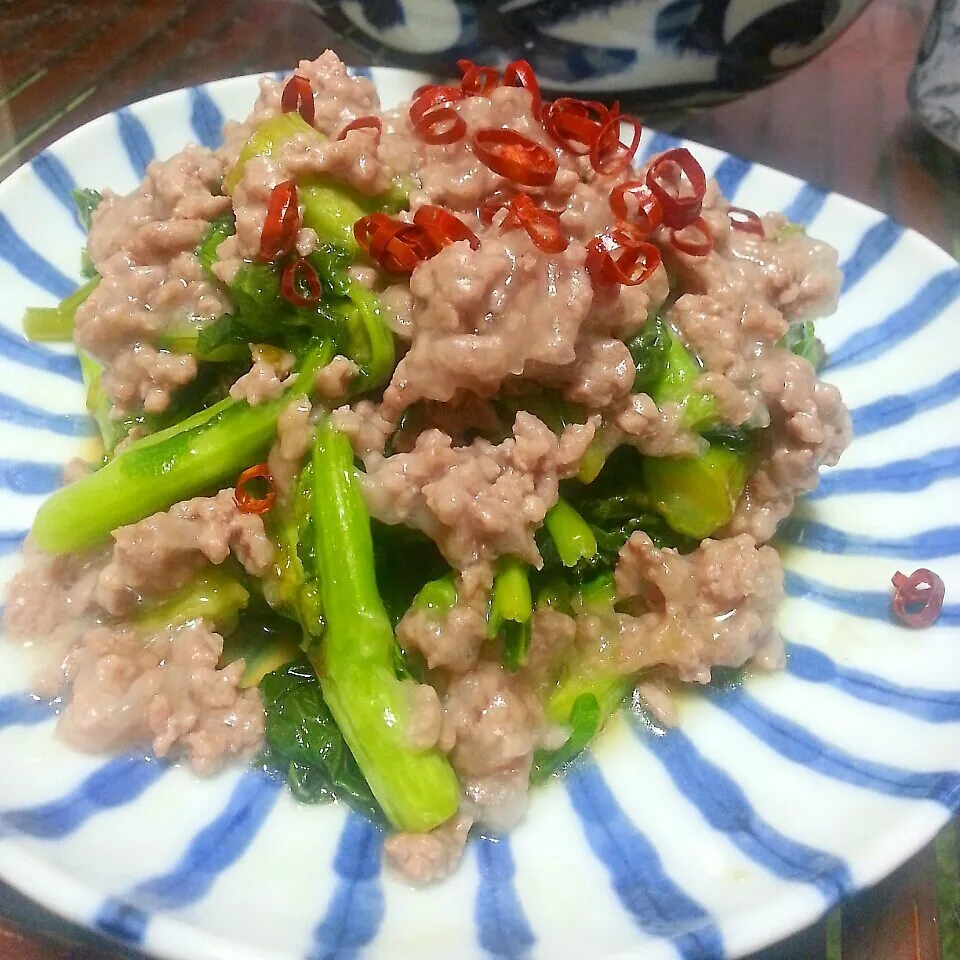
point(300, 729)
point(801, 339)
point(212, 594)
point(571, 534)
point(649, 351)
point(511, 610)
point(86, 201)
point(56, 323)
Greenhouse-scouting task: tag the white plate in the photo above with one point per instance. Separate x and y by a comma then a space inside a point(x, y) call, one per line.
point(748, 822)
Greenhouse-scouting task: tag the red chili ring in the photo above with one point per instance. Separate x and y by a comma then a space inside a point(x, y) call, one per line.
point(908, 593)
point(281, 223)
point(516, 157)
point(648, 214)
point(678, 212)
point(693, 248)
point(606, 270)
point(432, 96)
point(297, 97)
point(441, 125)
point(477, 81)
point(569, 122)
point(443, 227)
point(246, 503)
point(519, 73)
point(407, 249)
point(362, 123)
point(297, 275)
point(608, 144)
point(746, 221)
point(543, 228)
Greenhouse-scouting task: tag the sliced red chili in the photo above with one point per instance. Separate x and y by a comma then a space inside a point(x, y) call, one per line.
point(362, 123)
point(644, 213)
point(917, 599)
point(443, 227)
point(246, 501)
point(679, 209)
point(493, 203)
point(575, 124)
point(516, 157)
point(477, 81)
point(281, 223)
point(297, 97)
point(300, 284)
point(608, 154)
point(543, 228)
point(519, 73)
point(745, 221)
point(607, 270)
point(432, 96)
point(694, 239)
point(436, 121)
point(397, 246)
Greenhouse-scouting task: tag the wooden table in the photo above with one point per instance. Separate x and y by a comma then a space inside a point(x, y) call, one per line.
point(841, 121)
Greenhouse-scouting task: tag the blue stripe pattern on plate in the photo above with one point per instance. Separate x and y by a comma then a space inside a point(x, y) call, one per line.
point(30, 264)
point(940, 542)
point(136, 141)
point(205, 118)
point(869, 604)
point(725, 807)
point(659, 143)
point(731, 172)
point(897, 476)
point(927, 305)
point(356, 909)
point(16, 348)
point(655, 902)
point(55, 176)
point(116, 783)
point(892, 411)
point(814, 666)
point(25, 710)
point(27, 477)
point(26, 415)
point(874, 245)
point(216, 848)
point(10, 540)
point(805, 206)
point(797, 744)
point(502, 928)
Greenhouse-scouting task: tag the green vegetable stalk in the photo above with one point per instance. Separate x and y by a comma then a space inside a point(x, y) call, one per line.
point(571, 534)
point(801, 339)
point(193, 456)
point(213, 594)
point(417, 789)
point(56, 323)
point(511, 611)
point(437, 596)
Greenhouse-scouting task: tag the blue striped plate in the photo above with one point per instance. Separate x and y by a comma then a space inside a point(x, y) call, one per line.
point(767, 804)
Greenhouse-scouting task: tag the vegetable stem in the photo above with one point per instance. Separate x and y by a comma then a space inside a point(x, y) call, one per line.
point(55, 324)
point(571, 534)
point(511, 611)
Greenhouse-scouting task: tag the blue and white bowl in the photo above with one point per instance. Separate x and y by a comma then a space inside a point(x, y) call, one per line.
point(651, 53)
point(769, 803)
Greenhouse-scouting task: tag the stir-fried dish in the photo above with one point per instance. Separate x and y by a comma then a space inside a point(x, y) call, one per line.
point(429, 435)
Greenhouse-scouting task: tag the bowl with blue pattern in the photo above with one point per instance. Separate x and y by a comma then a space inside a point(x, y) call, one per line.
point(769, 802)
point(649, 53)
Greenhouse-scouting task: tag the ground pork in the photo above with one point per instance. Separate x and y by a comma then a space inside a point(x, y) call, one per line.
point(427, 857)
point(156, 554)
point(164, 690)
point(552, 634)
point(425, 722)
point(333, 380)
point(267, 378)
point(366, 425)
point(479, 501)
point(142, 246)
point(654, 431)
point(492, 724)
point(295, 431)
point(712, 607)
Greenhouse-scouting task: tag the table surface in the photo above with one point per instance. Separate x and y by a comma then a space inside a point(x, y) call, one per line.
point(841, 121)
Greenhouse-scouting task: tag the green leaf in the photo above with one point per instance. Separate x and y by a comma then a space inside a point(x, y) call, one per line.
point(87, 201)
point(649, 352)
point(219, 230)
point(801, 339)
point(585, 721)
point(301, 730)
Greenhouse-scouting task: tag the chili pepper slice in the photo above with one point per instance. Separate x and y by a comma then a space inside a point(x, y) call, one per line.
point(443, 227)
point(477, 81)
point(297, 97)
point(694, 239)
point(246, 501)
point(646, 215)
point(300, 284)
point(678, 211)
point(923, 589)
point(436, 121)
point(516, 157)
point(575, 124)
point(608, 154)
point(542, 227)
point(607, 270)
point(519, 73)
point(281, 223)
point(746, 221)
point(362, 123)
